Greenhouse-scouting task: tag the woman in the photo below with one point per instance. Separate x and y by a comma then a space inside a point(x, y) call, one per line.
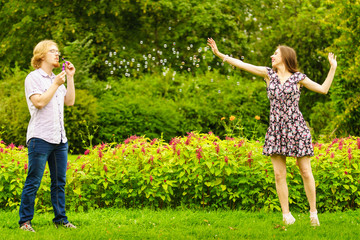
point(287, 134)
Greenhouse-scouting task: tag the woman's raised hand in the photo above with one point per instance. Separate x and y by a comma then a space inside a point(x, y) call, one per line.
point(213, 46)
point(332, 60)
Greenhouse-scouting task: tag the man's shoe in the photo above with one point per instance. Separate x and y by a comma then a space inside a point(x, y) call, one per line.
point(26, 226)
point(66, 225)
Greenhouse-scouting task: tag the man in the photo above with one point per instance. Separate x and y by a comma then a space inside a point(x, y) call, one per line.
point(46, 140)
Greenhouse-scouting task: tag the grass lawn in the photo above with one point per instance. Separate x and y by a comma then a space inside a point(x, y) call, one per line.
point(183, 224)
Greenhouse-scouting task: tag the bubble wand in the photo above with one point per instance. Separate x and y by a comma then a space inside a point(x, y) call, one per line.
point(63, 66)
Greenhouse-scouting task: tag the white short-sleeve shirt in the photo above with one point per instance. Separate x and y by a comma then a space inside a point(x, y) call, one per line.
point(46, 123)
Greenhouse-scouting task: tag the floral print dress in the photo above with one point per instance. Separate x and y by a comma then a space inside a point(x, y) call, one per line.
point(287, 134)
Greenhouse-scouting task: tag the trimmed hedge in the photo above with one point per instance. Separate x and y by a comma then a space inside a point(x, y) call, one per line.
point(196, 171)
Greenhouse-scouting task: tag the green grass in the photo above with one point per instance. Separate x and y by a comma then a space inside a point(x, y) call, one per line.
point(183, 224)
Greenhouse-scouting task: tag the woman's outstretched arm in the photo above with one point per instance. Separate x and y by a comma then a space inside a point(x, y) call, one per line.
point(256, 70)
point(324, 88)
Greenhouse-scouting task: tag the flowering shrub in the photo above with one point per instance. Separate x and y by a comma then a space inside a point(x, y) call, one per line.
point(197, 171)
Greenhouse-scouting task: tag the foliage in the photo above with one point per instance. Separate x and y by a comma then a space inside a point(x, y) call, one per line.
point(13, 110)
point(345, 92)
point(79, 118)
point(95, 30)
point(171, 105)
point(197, 171)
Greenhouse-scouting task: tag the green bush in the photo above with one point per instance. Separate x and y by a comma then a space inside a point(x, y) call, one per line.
point(174, 104)
point(196, 171)
point(80, 121)
point(13, 109)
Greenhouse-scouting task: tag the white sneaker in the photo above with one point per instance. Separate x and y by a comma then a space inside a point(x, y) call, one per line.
point(314, 220)
point(288, 219)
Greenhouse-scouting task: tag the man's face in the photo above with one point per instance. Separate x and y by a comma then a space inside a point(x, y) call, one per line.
point(52, 56)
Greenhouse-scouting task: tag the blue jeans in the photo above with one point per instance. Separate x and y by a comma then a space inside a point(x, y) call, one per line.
point(40, 152)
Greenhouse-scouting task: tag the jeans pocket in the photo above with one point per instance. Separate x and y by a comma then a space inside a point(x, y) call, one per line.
point(31, 144)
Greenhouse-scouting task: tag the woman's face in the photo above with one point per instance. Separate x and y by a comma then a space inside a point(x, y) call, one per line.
point(276, 58)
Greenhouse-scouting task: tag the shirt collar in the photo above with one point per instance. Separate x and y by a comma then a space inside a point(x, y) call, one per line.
point(44, 74)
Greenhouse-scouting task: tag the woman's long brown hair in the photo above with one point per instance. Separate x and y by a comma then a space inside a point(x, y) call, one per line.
point(288, 56)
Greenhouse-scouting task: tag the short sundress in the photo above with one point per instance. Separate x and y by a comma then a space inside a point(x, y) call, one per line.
point(287, 134)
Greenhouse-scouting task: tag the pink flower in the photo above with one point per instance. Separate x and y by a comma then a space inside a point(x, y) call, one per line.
point(143, 150)
point(346, 173)
point(226, 159)
point(164, 180)
point(21, 147)
point(83, 166)
point(151, 159)
point(12, 146)
point(210, 133)
point(198, 155)
point(187, 142)
point(350, 156)
point(86, 152)
point(153, 141)
point(332, 155)
point(341, 145)
point(25, 167)
point(358, 142)
point(151, 178)
point(105, 168)
point(100, 154)
point(178, 152)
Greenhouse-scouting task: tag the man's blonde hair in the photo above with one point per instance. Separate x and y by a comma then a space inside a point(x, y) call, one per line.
point(40, 51)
